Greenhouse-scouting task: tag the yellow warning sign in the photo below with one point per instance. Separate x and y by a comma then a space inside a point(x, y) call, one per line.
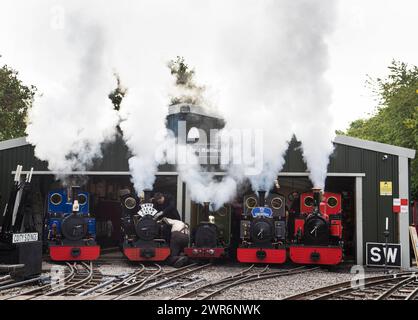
point(385, 188)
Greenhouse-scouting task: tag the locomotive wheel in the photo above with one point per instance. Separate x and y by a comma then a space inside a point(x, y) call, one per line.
point(74, 227)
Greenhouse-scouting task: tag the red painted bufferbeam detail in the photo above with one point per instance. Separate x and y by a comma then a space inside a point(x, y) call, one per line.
point(261, 255)
point(205, 253)
point(136, 254)
point(316, 255)
point(74, 253)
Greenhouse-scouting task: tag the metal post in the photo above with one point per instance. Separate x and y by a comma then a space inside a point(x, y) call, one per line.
point(386, 234)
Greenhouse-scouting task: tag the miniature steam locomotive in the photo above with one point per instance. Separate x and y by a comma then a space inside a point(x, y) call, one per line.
point(71, 232)
point(263, 229)
point(143, 238)
point(208, 240)
point(318, 230)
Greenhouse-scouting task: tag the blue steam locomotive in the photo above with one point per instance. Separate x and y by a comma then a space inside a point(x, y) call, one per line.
point(71, 232)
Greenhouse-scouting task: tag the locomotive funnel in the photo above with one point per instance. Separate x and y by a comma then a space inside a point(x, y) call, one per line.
point(262, 196)
point(317, 198)
point(147, 195)
point(206, 211)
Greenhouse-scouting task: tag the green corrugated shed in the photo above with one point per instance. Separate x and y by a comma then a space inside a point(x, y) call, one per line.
point(367, 162)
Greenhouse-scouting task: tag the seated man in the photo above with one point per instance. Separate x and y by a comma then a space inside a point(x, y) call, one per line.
point(179, 240)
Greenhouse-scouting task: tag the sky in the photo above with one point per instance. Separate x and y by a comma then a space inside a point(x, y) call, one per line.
point(367, 35)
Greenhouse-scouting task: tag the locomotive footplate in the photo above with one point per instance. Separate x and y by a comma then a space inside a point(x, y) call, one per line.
point(205, 253)
point(146, 253)
point(74, 253)
point(322, 255)
point(261, 255)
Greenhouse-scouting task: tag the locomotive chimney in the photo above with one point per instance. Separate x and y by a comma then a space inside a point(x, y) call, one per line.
point(206, 211)
point(262, 196)
point(317, 198)
point(147, 195)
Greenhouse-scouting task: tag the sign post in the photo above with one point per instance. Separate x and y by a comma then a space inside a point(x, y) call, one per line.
point(386, 234)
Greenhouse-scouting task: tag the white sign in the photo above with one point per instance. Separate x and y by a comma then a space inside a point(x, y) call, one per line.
point(147, 208)
point(24, 237)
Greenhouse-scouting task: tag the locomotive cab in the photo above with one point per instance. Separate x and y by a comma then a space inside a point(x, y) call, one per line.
point(263, 229)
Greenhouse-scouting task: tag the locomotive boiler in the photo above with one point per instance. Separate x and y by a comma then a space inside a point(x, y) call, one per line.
point(318, 229)
point(144, 239)
point(71, 231)
point(263, 229)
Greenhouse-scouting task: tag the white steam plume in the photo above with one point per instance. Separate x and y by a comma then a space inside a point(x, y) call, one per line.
point(143, 126)
point(265, 59)
point(68, 124)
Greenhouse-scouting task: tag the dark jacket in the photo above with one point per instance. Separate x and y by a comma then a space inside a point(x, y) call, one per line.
point(168, 208)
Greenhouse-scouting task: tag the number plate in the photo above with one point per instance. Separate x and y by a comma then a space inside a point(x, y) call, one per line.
point(24, 237)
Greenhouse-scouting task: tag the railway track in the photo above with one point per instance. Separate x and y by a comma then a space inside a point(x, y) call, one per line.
point(399, 286)
point(248, 275)
point(142, 280)
point(162, 278)
point(78, 277)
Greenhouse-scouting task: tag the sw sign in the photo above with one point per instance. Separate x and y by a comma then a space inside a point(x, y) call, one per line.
point(376, 254)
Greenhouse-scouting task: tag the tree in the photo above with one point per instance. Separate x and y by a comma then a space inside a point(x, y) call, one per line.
point(117, 94)
point(395, 120)
point(187, 91)
point(15, 100)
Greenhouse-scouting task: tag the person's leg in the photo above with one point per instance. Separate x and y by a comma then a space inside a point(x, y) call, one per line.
point(174, 248)
point(178, 242)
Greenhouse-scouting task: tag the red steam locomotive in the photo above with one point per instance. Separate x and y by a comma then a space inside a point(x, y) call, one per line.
point(318, 230)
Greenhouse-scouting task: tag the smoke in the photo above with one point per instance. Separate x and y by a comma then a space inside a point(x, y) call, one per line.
point(262, 62)
point(143, 128)
point(68, 124)
point(273, 74)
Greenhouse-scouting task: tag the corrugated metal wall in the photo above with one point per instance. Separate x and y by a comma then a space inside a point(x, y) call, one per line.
point(346, 159)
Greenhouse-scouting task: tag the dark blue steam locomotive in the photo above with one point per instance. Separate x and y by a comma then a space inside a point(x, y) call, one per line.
point(71, 232)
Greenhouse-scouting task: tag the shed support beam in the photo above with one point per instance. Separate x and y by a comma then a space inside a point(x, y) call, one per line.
point(187, 205)
point(179, 199)
point(404, 217)
point(359, 220)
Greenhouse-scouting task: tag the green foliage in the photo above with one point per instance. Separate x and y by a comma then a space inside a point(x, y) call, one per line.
point(396, 118)
point(117, 95)
point(187, 90)
point(15, 100)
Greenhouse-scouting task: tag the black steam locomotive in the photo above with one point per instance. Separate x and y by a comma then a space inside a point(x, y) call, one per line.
point(143, 238)
point(209, 240)
point(263, 229)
